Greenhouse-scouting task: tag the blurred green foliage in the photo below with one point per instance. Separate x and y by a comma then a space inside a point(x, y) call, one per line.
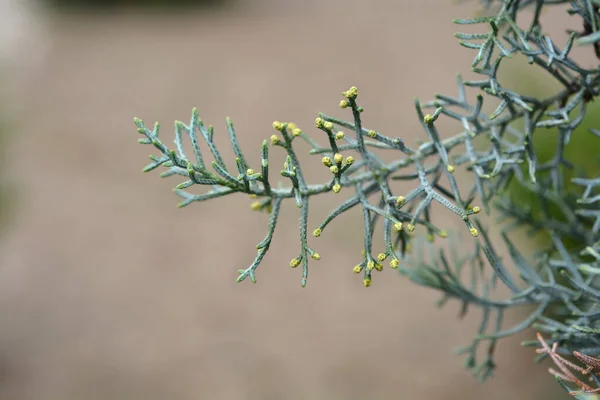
point(582, 151)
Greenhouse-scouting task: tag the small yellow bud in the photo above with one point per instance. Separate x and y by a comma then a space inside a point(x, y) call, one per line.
point(274, 139)
point(338, 158)
point(343, 104)
point(297, 132)
point(252, 196)
point(351, 93)
point(450, 168)
point(255, 206)
point(334, 169)
point(328, 125)
point(476, 209)
point(381, 256)
point(394, 263)
point(400, 200)
point(398, 226)
point(363, 253)
point(316, 256)
point(340, 135)
point(250, 171)
point(367, 282)
point(370, 265)
point(372, 134)
point(278, 126)
point(428, 119)
point(357, 269)
point(319, 122)
point(379, 267)
point(294, 263)
point(443, 234)
point(317, 232)
point(326, 161)
point(291, 126)
point(336, 188)
point(349, 160)
point(474, 232)
point(430, 237)
point(410, 227)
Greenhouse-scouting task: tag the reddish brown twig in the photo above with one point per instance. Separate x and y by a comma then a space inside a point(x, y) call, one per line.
point(592, 363)
point(593, 366)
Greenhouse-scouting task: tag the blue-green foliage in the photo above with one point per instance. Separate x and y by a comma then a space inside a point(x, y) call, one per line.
point(528, 144)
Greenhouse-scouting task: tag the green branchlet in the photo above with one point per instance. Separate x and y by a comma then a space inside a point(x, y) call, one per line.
point(560, 279)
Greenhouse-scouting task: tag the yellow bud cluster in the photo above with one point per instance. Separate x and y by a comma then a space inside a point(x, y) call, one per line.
point(278, 126)
point(351, 93)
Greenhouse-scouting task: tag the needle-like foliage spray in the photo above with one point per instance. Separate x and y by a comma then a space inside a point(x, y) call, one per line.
point(496, 149)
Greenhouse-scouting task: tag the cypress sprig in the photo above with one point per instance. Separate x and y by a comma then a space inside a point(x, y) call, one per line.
point(498, 150)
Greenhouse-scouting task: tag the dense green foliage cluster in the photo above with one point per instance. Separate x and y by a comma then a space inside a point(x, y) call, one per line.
point(498, 150)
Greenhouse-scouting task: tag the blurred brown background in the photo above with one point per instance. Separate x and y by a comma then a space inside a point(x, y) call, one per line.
point(108, 291)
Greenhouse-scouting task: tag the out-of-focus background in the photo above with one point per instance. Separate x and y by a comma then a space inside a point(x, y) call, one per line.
point(108, 291)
